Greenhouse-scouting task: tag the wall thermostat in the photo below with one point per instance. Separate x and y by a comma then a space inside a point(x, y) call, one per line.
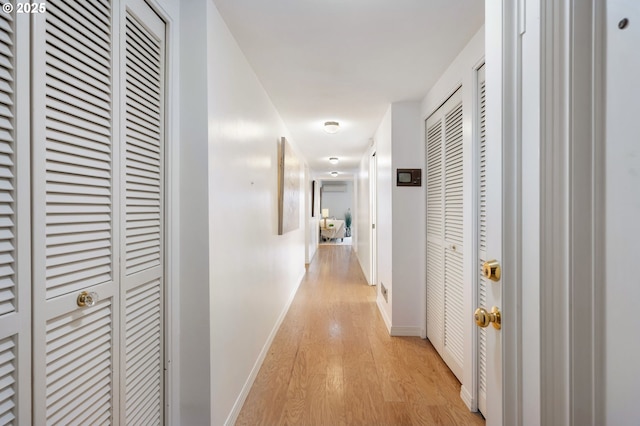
point(409, 177)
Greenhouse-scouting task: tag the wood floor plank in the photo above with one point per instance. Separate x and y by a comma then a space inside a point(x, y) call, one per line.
point(333, 362)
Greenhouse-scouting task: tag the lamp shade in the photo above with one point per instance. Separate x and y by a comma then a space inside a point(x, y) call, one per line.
point(325, 212)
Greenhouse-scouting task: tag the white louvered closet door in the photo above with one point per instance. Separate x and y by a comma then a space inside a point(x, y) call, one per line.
point(142, 272)
point(97, 208)
point(445, 285)
point(482, 237)
point(75, 213)
point(15, 262)
point(435, 227)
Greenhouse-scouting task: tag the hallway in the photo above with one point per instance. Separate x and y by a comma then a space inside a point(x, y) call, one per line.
point(333, 362)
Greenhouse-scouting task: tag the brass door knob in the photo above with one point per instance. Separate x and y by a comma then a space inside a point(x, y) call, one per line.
point(484, 318)
point(87, 299)
point(491, 270)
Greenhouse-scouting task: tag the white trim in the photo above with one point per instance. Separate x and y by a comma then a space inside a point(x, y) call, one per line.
point(511, 215)
point(246, 388)
point(469, 400)
point(383, 313)
point(406, 331)
point(598, 204)
point(572, 195)
point(172, 218)
point(22, 216)
point(373, 217)
point(555, 220)
point(457, 86)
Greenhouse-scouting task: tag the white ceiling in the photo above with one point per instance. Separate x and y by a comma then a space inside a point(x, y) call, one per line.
point(347, 60)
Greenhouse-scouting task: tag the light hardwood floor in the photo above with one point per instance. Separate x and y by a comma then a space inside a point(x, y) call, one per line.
point(333, 362)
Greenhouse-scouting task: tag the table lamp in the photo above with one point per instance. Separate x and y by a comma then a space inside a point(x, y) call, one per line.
point(325, 215)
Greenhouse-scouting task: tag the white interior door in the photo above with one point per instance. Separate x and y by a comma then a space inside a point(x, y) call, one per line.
point(373, 190)
point(493, 168)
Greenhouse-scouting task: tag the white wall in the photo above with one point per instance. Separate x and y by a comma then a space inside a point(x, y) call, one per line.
point(462, 72)
point(338, 202)
point(409, 225)
point(311, 223)
point(531, 112)
point(170, 11)
point(194, 321)
point(362, 219)
point(384, 225)
point(400, 220)
point(238, 275)
point(622, 211)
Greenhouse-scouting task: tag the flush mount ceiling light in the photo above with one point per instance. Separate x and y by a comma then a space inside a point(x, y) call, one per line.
point(331, 127)
point(334, 174)
point(333, 160)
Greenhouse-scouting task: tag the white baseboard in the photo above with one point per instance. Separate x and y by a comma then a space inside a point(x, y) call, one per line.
point(235, 411)
point(395, 330)
point(406, 331)
point(467, 398)
point(365, 273)
point(386, 319)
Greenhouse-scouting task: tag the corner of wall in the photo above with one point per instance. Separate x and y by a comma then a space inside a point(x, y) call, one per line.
point(383, 312)
point(408, 221)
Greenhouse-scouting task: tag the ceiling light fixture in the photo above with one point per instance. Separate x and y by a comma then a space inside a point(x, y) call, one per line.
point(331, 127)
point(333, 160)
point(334, 174)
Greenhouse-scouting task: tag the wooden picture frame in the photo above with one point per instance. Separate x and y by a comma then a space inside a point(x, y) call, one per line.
point(288, 188)
point(313, 198)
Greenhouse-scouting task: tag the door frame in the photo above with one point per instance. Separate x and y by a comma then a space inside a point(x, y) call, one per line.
point(503, 50)
point(474, 402)
point(571, 196)
point(373, 215)
point(567, 352)
point(172, 218)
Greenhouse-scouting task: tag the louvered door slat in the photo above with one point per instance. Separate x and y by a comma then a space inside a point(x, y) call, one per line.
point(143, 339)
point(82, 361)
point(435, 294)
point(435, 259)
point(81, 103)
point(142, 58)
point(7, 168)
point(453, 312)
point(453, 176)
point(90, 15)
point(434, 179)
point(453, 235)
point(7, 380)
point(76, 43)
point(144, 215)
point(58, 70)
